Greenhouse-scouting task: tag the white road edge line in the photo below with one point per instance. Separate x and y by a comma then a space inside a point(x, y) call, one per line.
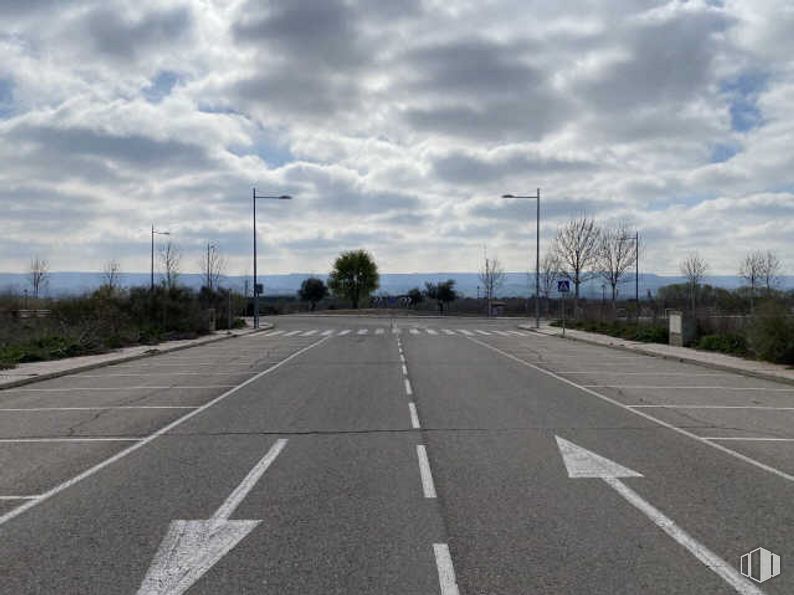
point(17, 497)
point(11, 514)
point(73, 439)
point(72, 389)
point(711, 560)
point(408, 390)
point(733, 388)
point(428, 487)
point(414, 416)
point(720, 447)
point(748, 439)
point(446, 572)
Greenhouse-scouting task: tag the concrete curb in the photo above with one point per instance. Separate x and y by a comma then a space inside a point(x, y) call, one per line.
point(129, 358)
point(676, 358)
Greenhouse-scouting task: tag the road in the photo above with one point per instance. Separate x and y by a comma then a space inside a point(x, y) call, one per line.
point(423, 456)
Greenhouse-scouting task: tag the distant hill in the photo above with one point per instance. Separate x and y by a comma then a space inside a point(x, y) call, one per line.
point(516, 284)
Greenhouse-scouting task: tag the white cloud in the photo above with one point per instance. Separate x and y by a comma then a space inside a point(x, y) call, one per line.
point(396, 125)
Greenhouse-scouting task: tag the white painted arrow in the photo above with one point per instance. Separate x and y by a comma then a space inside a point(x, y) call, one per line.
point(191, 548)
point(581, 462)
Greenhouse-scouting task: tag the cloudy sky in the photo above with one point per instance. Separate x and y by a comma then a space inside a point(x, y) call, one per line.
point(396, 125)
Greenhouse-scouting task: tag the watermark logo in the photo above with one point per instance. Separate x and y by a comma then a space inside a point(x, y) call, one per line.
point(760, 565)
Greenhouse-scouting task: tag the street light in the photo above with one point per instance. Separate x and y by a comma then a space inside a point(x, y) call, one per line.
point(537, 251)
point(255, 196)
point(154, 233)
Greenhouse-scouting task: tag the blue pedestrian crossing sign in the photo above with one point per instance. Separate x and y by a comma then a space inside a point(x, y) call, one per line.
point(564, 286)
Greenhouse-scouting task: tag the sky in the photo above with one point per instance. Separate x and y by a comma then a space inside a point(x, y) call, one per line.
point(396, 126)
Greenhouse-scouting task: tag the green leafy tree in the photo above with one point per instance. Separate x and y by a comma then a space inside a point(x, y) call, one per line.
point(312, 290)
point(443, 293)
point(355, 276)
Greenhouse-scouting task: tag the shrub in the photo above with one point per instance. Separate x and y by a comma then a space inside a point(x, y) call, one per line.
point(730, 343)
point(771, 334)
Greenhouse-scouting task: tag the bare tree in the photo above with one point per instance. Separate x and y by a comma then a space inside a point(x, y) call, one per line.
point(576, 247)
point(492, 277)
point(213, 266)
point(111, 275)
point(770, 271)
point(38, 275)
point(616, 253)
point(171, 260)
point(549, 273)
point(751, 270)
point(694, 268)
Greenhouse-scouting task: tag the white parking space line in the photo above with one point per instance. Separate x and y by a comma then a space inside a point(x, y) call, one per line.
point(447, 331)
point(379, 331)
point(503, 333)
point(482, 332)
point(748, 439)
point(414, 416)
point(408, 389)
point(73, 439)
point(310, 333)
point(271, 334)
point(405, 370)
point(140, 443)
point(733, 453)
point(465, 332)
point(431, 331)
point(396, 331)
point(446, 571)
point(619, 373)
point(362, 331)
point(414, 331)
point(34, 409)
point(11, 498)
point(428, 487)
point(759, 407)
point(343, 333)
point(112, 388)
point(519, 333)
point(327, 333)
point(734, 388)
point(292, 333)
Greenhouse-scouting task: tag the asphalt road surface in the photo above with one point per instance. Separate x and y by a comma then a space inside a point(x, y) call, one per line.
point(353, 455)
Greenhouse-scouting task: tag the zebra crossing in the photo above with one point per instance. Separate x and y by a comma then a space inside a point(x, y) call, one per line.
point(381, 331)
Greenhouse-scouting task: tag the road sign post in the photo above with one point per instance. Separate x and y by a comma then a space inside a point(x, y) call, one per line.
point(563, 287)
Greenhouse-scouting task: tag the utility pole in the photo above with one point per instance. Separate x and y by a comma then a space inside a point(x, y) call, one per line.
point(154, 233)
point(255, 197)
point(537, 251)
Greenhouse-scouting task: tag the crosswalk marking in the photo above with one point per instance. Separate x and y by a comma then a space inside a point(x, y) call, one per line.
point(395, 330)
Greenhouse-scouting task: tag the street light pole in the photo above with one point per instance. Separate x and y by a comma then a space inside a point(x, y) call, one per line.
point(255, 196)
point(159, 233)
point(537, 251)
